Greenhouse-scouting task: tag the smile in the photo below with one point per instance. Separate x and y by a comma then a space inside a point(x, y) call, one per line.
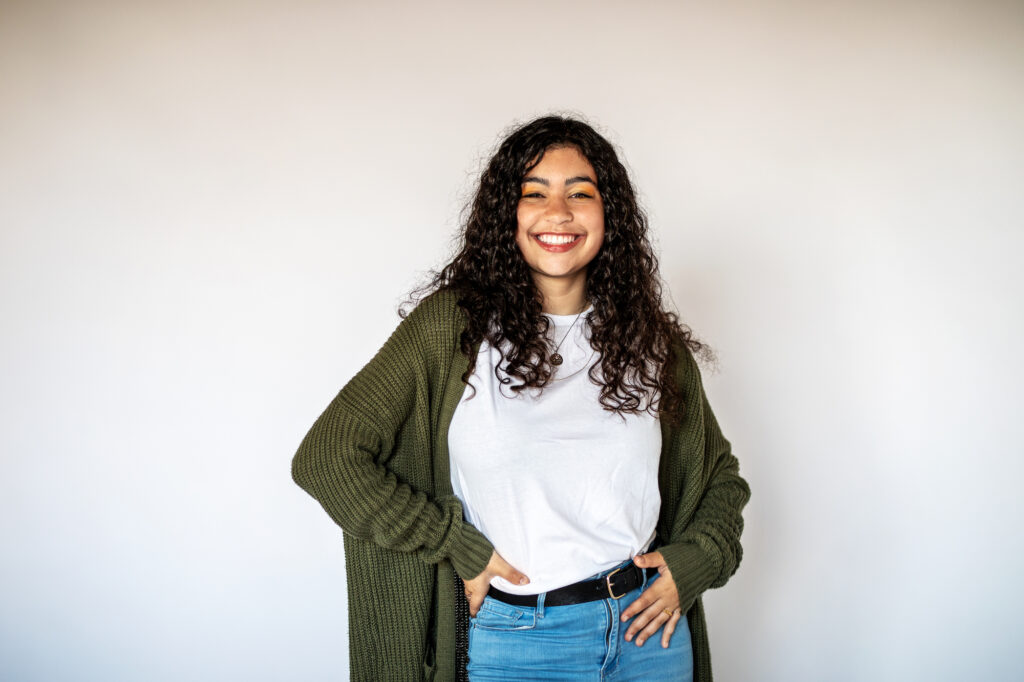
point(557, 238)
point(551, 241)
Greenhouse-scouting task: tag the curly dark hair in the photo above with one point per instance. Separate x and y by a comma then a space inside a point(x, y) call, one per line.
point(636, 338)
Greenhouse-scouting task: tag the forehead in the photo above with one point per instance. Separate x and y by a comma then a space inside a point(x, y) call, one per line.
point(564, 160)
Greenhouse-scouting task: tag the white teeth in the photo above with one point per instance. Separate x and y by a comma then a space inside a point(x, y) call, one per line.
point(556, 238)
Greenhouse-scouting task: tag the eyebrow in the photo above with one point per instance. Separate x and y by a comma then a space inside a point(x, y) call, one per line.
point(569, 181)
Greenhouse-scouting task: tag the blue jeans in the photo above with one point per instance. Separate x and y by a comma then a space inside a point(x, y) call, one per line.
point(576, 642)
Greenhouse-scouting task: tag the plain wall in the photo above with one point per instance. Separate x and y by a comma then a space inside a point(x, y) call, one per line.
point(210, 211)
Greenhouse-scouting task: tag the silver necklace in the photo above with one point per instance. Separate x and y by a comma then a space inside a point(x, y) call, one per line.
point(555, 358)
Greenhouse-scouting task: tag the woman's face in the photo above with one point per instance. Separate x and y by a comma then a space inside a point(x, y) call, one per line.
point(561, 218)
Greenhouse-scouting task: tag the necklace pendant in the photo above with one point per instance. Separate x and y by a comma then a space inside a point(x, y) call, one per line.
point(556, 359)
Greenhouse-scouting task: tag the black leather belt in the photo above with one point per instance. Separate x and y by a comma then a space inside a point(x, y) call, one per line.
point(615, 585)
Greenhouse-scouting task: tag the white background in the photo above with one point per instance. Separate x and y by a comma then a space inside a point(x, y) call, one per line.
point(210, 212)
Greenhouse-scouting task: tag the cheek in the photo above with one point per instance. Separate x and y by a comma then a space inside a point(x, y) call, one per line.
point(521, 235)
point(522, 226)
point(524, 217)
point(522, 241)
point(521, 246)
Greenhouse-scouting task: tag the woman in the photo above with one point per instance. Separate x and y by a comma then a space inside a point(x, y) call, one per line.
point(533, 436)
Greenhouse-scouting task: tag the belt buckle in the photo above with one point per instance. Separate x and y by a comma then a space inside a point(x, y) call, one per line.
point(608, 582)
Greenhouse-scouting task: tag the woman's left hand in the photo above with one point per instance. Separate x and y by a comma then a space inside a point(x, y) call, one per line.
point(654, 604)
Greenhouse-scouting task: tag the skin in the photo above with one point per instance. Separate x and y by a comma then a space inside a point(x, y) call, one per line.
point(497, 567)
point(653, 605)
point(559, 195)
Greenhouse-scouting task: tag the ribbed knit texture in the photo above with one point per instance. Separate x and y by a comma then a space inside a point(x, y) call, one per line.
point(377, 460)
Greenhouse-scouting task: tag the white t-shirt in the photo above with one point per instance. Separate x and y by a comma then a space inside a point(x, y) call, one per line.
point(561, 487)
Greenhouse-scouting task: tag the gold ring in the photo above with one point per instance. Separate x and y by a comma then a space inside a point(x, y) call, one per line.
point(668, 612)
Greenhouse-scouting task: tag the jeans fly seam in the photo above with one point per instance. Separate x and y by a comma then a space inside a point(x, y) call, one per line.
point(611, 637)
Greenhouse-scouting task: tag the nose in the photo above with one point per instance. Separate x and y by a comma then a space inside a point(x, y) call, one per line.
point(558, 211)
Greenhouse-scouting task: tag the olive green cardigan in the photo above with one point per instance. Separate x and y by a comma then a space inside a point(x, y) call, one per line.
point(377, 460)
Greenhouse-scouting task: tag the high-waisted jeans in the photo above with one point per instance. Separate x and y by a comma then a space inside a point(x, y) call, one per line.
point(575, 642)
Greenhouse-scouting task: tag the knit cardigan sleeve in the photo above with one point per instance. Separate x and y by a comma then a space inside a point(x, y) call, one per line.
point(343, 460)
point(703, 549)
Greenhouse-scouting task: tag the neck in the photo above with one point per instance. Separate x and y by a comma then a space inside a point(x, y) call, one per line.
point(561, 297)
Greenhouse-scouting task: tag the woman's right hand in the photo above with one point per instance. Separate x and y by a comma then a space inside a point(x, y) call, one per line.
point(476, 589)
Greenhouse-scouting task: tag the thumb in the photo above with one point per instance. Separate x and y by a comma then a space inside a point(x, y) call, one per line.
point(649, 560)
point(503, 569)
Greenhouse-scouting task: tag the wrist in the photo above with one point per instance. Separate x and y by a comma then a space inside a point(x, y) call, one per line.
point(470, 553)
point(692, 570)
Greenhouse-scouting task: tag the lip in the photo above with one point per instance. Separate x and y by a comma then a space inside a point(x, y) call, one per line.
point(558, 248)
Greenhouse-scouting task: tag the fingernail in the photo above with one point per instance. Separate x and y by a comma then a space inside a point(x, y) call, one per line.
point(639, 642)
point(524, 580)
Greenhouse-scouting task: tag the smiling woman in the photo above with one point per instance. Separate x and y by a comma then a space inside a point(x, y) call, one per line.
point(530, 479)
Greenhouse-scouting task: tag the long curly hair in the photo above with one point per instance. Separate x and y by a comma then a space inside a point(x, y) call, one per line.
point(636, 338)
